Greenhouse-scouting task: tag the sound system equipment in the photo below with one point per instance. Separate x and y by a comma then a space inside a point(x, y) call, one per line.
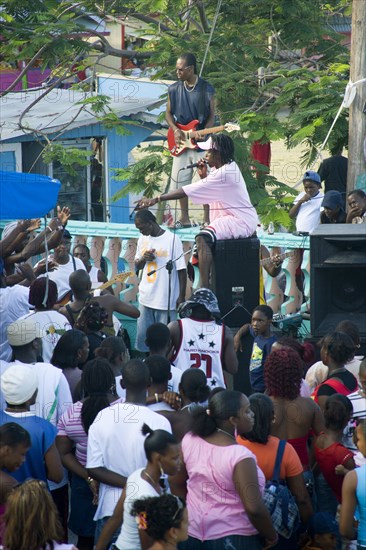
point(337, 277)
point(235, 281)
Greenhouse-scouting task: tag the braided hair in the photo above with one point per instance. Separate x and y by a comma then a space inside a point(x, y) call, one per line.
point(91, 318)
point(224, 145)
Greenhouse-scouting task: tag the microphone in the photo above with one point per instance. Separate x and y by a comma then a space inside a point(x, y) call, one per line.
point(194, 165)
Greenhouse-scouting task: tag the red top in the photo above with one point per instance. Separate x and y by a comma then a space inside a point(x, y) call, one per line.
point(336, 385)
point(300, 444)
point(328, 459)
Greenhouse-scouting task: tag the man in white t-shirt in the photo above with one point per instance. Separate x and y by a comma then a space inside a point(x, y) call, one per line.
point(66, 264)
point(115, 441)
point(51, 321)
point(54, 396)
point(155, 248)
point(306, 207)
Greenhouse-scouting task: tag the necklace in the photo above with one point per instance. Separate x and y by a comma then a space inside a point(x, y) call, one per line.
point(225, 432)
point(153, 483)
point(187, 86)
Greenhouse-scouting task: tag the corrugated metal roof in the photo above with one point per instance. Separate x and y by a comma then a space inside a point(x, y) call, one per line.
point(339, 23)
point(58, 109)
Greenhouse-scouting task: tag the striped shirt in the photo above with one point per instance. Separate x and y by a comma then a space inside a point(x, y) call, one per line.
point(70, 425)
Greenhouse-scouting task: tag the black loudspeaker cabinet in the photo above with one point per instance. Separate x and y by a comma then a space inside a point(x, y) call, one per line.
point(236, 279)
point(338, 277)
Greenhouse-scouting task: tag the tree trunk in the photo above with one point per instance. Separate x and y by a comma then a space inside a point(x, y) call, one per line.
point(357, 118)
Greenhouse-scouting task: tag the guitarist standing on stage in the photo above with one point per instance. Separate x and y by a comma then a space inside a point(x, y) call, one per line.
point(191, 98)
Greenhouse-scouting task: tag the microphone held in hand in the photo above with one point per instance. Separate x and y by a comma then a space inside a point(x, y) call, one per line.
point(194, 165)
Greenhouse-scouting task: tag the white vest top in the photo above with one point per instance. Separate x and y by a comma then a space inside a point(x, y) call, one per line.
point(201, 346)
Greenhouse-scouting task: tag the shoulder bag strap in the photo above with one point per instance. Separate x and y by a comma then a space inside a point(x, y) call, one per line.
point(277, 466)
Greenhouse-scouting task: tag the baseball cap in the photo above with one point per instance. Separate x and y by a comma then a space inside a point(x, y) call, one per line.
point(24, 331)
point(66, 234)
point(204, 297)
point(313, 176)
point(332, 199)
point(206, 145)
point(18, 384)
point(321, 523)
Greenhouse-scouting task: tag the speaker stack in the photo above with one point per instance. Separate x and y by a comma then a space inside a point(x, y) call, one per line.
point(338, 277)
point(236, 285)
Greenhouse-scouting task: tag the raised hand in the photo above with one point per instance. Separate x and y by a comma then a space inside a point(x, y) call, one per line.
point(34, 224)
point(27, 271)
point(63, 214)
point(41, 267)
point(145, 203)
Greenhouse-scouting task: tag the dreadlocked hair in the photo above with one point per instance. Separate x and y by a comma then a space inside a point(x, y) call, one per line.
point(225, 146)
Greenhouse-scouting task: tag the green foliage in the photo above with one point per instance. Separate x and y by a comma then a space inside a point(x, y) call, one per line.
point(68, 158)
point(145, 175)
point(314, 102)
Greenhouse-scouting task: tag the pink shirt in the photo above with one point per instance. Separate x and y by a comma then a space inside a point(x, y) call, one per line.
point(232, 215)
point(214, 507)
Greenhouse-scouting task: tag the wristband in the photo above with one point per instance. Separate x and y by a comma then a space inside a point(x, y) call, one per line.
point(48, 227)
point(159, 198)
point(156, 398)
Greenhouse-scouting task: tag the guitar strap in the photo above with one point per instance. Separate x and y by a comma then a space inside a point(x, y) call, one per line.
point(202, 104)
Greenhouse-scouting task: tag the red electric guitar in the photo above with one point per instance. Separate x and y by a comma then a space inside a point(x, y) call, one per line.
point(190, 134)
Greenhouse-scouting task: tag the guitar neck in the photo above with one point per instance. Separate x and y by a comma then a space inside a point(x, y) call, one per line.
point(270, 259)
point(206, 131)
point(105, 285)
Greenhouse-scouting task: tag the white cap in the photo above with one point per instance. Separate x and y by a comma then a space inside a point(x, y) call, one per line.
point(18, 384)
point(206, 145)
point(24, 331)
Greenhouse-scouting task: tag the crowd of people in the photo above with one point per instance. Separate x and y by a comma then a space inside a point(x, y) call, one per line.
point(155, 451)
point(158, 452)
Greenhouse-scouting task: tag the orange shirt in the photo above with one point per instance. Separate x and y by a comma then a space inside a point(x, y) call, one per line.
point(266, 457)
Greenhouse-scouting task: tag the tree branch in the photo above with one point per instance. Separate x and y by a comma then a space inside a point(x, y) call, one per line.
point(23, 72)
point(102, 45)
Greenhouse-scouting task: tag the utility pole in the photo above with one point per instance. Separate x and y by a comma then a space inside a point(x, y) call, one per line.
point(357, 118)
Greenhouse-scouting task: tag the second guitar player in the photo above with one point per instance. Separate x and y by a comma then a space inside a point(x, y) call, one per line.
point(190, 98)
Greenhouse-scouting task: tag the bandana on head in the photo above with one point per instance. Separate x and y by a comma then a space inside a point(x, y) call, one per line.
point(204, 297)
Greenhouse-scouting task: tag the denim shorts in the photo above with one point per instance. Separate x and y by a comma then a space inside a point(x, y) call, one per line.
point(148, 316)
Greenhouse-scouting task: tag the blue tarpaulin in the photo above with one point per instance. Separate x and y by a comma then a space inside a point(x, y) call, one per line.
point(26, 195)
